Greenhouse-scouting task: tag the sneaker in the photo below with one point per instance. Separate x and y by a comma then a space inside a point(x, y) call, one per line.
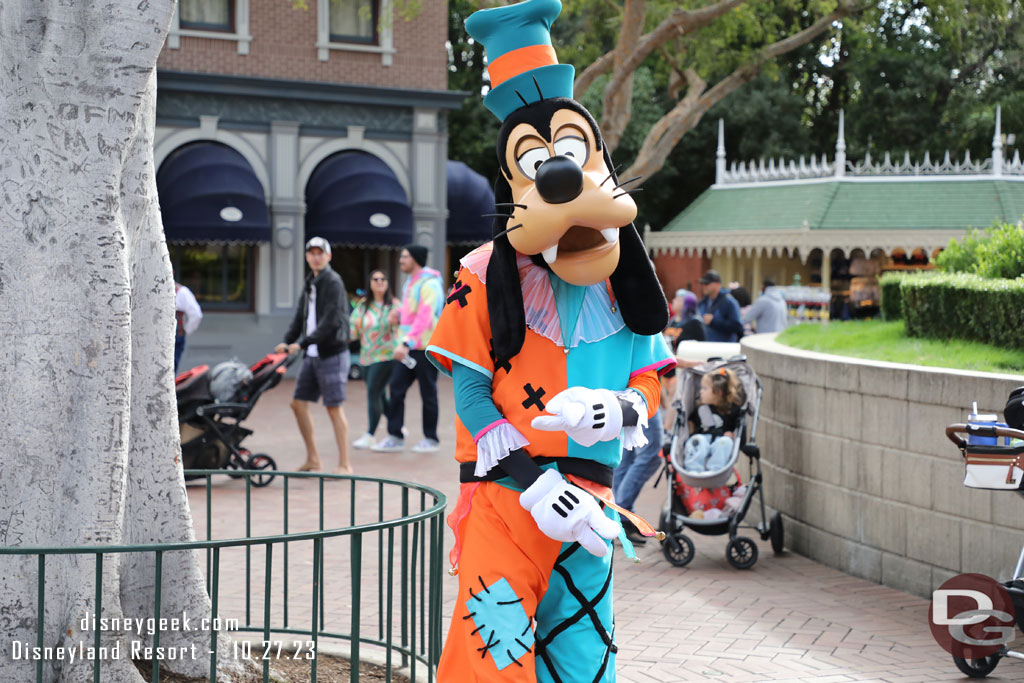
point(391, 444)
point(426, 446)
point(363, 442)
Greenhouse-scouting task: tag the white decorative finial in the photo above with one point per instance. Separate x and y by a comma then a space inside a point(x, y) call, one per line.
point(841, 147)
point(720, 155)
point(997, 145)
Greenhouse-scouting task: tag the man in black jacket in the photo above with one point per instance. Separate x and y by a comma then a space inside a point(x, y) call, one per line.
point(320, 328)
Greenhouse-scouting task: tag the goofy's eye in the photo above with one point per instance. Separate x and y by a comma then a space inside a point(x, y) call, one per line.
point(530, 160)
point(573, 147)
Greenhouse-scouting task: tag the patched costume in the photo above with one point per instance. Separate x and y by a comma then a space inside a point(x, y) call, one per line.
point(551, 333)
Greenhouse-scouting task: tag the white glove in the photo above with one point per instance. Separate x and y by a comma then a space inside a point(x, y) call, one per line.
point(568, 513)
point(586, 415)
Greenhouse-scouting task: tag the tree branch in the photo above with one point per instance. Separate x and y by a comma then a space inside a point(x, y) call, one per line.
point(679, 22)
point(687, 113)
point(602, 66)
point(617, 104)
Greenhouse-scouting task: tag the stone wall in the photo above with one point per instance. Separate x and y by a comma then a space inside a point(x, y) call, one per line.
point(856, 458)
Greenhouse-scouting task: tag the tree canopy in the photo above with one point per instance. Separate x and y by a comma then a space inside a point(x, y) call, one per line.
point(911, 75)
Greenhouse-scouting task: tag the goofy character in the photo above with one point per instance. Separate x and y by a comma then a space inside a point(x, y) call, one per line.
point(551, 334)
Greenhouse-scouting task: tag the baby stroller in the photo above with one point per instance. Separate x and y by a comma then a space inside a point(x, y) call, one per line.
point(211, 407)
point(993, 456)
point(676, 517)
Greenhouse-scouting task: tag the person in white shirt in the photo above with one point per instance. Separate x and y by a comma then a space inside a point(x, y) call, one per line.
point(187, 314)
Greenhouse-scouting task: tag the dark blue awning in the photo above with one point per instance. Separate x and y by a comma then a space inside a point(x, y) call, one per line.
point(469, 197)
point(353, 198)
point(209, 193)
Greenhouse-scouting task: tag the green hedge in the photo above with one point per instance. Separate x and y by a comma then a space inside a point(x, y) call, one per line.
point(892, 302)
point(964, 306)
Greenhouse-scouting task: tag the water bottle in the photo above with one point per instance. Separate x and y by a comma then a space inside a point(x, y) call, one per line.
point(977, 419)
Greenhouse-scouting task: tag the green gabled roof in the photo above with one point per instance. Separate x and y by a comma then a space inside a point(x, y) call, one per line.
point(854, 205)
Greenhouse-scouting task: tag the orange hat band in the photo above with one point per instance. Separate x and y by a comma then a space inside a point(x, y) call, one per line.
point(518, 61)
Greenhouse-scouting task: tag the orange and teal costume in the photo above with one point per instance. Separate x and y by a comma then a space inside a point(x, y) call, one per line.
point(523, 597)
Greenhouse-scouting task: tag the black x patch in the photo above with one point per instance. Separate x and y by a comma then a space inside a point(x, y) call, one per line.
point(459, 293)
point(533, 396)
point(506, 366)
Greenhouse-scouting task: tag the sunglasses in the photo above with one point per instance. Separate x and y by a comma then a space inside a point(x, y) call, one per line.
point(378, 279)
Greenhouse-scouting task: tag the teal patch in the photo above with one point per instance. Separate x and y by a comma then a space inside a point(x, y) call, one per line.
point(501, 622)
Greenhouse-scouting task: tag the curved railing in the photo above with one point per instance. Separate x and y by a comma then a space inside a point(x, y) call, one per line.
point(394, 513)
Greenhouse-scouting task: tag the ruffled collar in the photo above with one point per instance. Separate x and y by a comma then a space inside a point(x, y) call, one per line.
point(599, 318)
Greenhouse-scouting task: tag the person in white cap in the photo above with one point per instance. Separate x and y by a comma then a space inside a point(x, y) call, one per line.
point(320, 328)
point(187, 316)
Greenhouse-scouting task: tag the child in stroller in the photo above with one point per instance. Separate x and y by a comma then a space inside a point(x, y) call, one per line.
point(212, 406)
point(714, 423)
point(711, 482)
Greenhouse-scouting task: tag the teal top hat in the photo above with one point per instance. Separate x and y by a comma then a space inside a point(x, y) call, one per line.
point(520, 59)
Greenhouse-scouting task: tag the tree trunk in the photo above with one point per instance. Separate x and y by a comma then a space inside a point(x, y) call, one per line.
point(87, 412)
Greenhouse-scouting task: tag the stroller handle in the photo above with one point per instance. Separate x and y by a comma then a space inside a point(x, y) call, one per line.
point(954, 430)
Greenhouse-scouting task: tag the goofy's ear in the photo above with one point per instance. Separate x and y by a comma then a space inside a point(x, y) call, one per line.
point(504, 290)
point(640, 296)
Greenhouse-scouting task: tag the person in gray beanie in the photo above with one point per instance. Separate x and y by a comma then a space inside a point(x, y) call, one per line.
point(422, 301)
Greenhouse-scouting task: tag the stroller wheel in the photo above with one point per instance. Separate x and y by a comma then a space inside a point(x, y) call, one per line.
point(741, 552)
point(776, 533)
point(261, 461)
point(233, 463)
point(976, 668)
point(678, 549)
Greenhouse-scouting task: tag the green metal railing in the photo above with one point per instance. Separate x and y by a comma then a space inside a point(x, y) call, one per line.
point(386, 506)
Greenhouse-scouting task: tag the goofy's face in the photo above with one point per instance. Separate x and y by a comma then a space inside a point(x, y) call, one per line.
point(565, 198)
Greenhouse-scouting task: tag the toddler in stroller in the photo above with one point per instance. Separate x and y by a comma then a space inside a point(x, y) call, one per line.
point(720, 400)
point(713, 425)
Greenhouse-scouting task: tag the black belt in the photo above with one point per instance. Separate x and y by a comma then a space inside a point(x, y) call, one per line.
point(587, 469)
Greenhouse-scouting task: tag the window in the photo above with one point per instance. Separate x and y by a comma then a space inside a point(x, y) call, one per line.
point(355, 26)
point(354, 21)
point(220, 275)
point(212, 19)
point(207, 15)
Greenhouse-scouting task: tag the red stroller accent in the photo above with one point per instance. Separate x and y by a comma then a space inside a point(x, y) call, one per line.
point(211, 421)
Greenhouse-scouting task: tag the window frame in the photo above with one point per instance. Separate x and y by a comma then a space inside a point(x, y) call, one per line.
point(359, 40)
point(383, 45)
point(215, 28)
point(239, 33)
point(223, 306)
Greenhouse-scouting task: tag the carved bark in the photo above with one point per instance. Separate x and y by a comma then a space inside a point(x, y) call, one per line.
point(88, 429)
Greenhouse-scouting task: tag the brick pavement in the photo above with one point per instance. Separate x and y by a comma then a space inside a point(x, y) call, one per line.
point(787, 619)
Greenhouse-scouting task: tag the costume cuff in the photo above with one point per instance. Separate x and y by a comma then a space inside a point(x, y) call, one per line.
point(633, 437)
point(495, 443)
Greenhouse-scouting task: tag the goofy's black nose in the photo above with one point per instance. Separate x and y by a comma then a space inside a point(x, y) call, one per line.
point(559, 180)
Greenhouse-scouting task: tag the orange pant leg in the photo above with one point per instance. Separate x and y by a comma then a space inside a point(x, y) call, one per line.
point(500, 541)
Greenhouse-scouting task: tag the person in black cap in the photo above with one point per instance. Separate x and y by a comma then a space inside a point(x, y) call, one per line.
point(719, 310)
point(422, 301)
point(320, 328)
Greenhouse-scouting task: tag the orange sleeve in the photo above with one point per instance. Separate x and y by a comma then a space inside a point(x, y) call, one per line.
point(463, 332)
point(649, 386)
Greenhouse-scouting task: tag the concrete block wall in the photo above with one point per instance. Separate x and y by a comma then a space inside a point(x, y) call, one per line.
point(856, 458)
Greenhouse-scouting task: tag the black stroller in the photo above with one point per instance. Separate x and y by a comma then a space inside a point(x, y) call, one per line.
point(211, 407)
point(676, 517)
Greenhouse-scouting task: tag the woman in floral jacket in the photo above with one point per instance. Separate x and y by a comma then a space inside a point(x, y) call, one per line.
point(369, 324)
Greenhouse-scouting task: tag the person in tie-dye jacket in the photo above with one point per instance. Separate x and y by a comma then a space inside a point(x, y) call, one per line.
point(422, 301)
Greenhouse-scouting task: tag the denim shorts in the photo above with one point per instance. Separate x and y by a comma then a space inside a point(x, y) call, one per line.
point(327, 376)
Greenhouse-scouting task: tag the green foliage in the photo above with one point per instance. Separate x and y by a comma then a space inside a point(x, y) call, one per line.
point(473, 130)
point(997, 252)
point(965, 306)
point(892, 302)
point(888, 341)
